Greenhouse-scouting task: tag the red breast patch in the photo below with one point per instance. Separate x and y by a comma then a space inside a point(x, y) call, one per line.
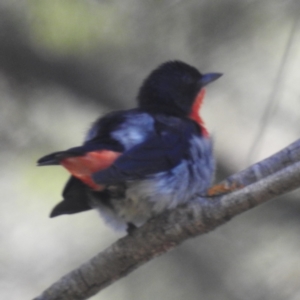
point(194, 115)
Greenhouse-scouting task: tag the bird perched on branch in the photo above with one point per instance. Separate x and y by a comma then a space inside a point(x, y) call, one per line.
point(137, 163)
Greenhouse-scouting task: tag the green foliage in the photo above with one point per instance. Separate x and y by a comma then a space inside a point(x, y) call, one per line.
point(72, 26)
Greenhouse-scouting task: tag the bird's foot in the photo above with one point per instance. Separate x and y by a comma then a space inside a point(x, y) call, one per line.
point(131, 228)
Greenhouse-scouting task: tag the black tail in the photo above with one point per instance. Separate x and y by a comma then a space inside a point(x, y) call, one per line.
point(76, 199)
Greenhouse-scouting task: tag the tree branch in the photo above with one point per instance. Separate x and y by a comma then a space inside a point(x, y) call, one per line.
point(263, 181)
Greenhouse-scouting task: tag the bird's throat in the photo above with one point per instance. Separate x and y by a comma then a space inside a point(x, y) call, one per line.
point(195, 113)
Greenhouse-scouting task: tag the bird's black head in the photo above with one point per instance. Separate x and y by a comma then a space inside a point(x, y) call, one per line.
point(172, 88)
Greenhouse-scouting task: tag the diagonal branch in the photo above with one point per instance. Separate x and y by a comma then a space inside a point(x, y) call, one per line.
point(263, 181)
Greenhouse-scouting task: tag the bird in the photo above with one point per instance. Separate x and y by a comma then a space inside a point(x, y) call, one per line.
point(135, 164)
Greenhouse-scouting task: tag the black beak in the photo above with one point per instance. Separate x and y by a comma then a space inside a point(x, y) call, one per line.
point(210, 77)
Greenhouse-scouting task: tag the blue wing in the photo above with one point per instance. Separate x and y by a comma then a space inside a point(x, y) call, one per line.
point(162, 151)
point(98, 138)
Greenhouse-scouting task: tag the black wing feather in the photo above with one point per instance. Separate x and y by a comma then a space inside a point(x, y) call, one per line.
point(161, 152)
point(56, 157)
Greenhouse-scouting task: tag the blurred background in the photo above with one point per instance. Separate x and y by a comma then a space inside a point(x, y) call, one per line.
point(64, 63)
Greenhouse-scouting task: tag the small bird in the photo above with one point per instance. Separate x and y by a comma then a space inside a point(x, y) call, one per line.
point(135, 164)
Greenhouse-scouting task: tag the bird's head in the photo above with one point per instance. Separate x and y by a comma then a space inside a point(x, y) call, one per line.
point(173, 88)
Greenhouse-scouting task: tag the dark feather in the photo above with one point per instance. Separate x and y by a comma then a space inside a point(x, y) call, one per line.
point(76, 199)
point(161, 152)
